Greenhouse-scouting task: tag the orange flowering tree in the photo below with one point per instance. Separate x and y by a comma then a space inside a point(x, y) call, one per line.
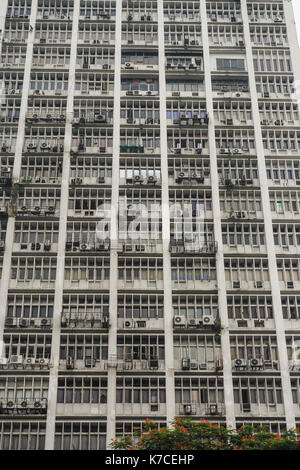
point(186, 434)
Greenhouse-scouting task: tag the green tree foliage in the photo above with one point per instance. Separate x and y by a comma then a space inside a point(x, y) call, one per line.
point(186, 434)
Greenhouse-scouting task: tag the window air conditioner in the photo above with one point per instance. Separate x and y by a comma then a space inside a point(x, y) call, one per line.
point(129, 323)
point(70, 363)
point(238, 363)
point(236, 284)
point(9, 322)
point(47, 245)
point(179, 320)
point(138, 179)
point(16, 359)
point(258, 284)
point(254, 362)
point(43, 322)
point(3, 362)
point(181, 175)
point(185, 364)
point(208, 320)
point(213, 409)
point(23, 322)
point(89, 362)
point(43, 362)
point(152, 179)
point(187, 409)
point(85, 247)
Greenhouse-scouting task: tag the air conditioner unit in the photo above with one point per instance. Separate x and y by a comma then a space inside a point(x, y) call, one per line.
point(256, 362)
point(140, 248)
point(70, 363)
point(240, 215)
point(10, 322)
point(23, 322)
point(258, 284)
point(89, 362)
point(85, 247)
point(30, 361)
point(47, 245)
point(237, 151)
point(185, 364)
point(192, 322)
point(187, 409)
point(194, 365)
point(41, 362)
point(225, 151)
point(238, 363)
point(213, 409)
point(153, 363)
point(138, 179)
point(43, 322)
point(199, 149)
point(236, 285)
point(16, 359)
point(3, 362)
point(179, 320)
point(181, 175)
point(208, 320)
point(290, 285)
point(127, 248)
point(39, 405)
point(152, 179)
point(129, 323)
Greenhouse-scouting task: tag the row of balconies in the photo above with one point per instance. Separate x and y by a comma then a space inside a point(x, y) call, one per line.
point(254, 364)
point(232, 215)
point(150, 246)
point(183, 177)
point(14, 407)
point(11, 407)
point(78, 321)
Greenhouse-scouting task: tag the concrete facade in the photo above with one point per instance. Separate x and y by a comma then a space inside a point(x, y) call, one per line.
point(185, 106)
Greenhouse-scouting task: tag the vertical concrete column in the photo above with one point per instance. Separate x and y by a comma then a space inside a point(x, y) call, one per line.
point(168, 311)
point(222, 299)
point(114, 238)
point(60, 267)
point(292, 38)
point(3, 10)
point(275, 286)
point(17, 166)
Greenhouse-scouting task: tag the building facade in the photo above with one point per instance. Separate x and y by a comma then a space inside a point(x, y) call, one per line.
point(147, 104)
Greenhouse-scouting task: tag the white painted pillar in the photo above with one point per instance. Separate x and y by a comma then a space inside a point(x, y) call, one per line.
point(113, 286)
point(168, 311)
point(275, 286)
point(60, 267)
point(222, 299)
point(16, 168)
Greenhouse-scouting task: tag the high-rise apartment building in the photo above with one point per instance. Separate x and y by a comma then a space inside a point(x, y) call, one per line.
point(145, 106)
